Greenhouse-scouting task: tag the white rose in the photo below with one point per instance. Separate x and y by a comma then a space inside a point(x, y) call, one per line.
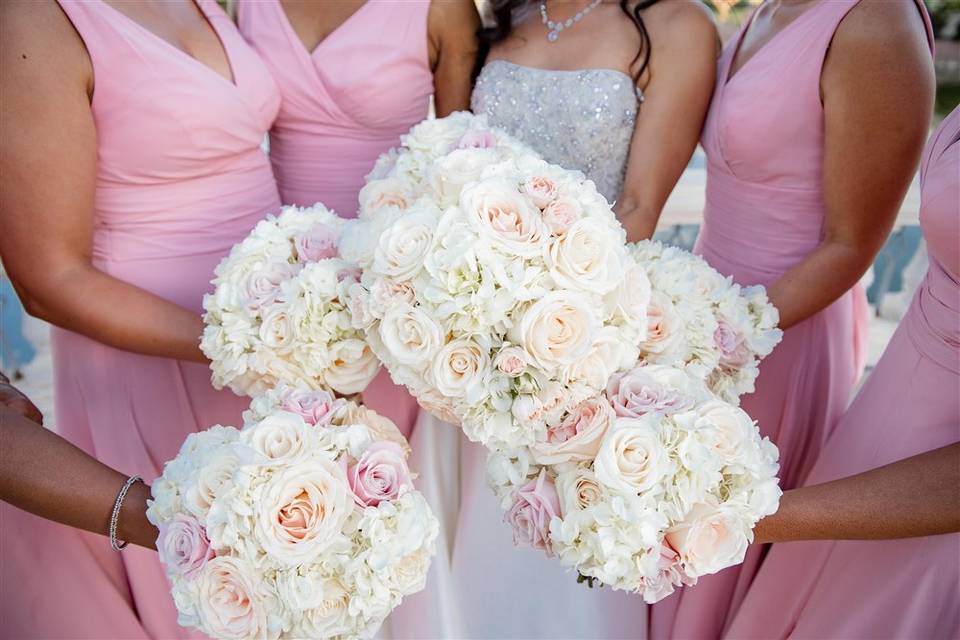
point(558, 329)
point(731, 431)
point(403, 245)
point(276, 328)
point(387, 192)
point(500, 213)
point(353, 366)
point(409, 574)
point(541, 189)
point(578, 489)
point(386, 293)
point(710, 539)
point(211, 481)
point(560, 214)
point(232, 602)
point(410, 336)
point(633, 296)
point(459, 369)
point(511, 361)
point(451, 173)
point(280, 437)
point(330, 618)
point(302, 510)
point(588, 257)
point(632, 459)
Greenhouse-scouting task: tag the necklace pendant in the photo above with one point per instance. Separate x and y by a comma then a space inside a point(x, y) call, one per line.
point(553, 35)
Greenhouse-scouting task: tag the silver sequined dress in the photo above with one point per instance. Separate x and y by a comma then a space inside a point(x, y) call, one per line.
point(577, 119)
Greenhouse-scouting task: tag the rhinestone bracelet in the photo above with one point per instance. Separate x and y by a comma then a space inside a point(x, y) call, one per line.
point(115, 516)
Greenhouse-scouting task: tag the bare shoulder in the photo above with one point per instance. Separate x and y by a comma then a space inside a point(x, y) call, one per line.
point(687, 22)
point(453, 17)
point(38, 42)
point(894, 27)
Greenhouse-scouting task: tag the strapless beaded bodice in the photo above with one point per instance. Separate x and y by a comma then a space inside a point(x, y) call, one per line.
point(577, 119)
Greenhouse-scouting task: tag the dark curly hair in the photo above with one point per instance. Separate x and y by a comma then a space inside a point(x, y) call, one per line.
point(504, 10)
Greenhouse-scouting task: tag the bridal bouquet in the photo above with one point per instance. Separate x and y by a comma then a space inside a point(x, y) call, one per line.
point(502, 296)
point(645, 487)
point(705, 322)
point(303, 524)
point(277, 313)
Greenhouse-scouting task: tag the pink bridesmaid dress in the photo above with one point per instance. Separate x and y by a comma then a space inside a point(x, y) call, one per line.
point(343, 104)
point(764, 214)
point(910, 404)
point(180, 178)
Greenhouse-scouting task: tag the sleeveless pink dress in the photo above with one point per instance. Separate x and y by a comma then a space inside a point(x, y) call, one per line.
point(764, 140)
point(343, 104)
point(180, 178)
point(910, 404)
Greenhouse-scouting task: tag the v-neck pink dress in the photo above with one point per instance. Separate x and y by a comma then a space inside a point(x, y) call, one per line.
point(765, 212)
point(180, 178)
point(910, 404)
point(343, 104)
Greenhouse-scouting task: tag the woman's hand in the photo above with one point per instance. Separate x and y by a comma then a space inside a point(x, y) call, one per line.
point(14, 400)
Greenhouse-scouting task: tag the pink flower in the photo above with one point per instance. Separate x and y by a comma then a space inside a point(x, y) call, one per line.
point(578, 436)
point(560, 214)
point(380, 474)
point(541, 190)
point(534, 506)
point(315, 407)
point(477, 140)
point(319, 243)
point(670, 576)
point(183, 545)
point(648, 389)
point(349, 273)
point(734, 353)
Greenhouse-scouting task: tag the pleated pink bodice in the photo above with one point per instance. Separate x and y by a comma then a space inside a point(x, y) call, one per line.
point(345, 102)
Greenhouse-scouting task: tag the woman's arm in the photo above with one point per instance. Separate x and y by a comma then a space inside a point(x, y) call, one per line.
point(452, 28)
point(877, 86)
point(681, 76)
point(47, 176)
point(44, 474)
point(918, 496)
point(12, 399)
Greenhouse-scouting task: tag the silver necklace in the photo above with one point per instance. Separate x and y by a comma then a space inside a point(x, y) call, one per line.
point(556, 27)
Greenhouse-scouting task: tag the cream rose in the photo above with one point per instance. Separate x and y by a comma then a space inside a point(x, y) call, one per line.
point(560, 214)
point(330, 618)
point(386, 293)
point(541, 190)
point(511, 361)
point(710, 539)
point(588, 257)
point(386, 192)
point(302, 510)
point(558, 329)
point(578, 489)
point(382, 428)
point(280, 437)
point(731, 431)
point(578, 436)
point(276, 328)
point(211, 480)
point(353, 367)
point(500, 213)
point(631, 458)
point(404, 244)
point(231, 602)
point(410, 336)
point(664, 325)
point(459, 369)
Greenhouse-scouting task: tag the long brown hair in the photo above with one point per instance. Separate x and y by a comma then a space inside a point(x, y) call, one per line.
point(504, 11)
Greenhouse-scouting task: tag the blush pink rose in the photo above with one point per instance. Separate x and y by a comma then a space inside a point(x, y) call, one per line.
point(541, 190)
point(577, 437)
point(183, 545)
point(638, 392)
point(317, 408)
point(534, 506)
point(319, 243)
point(734, 353)
point(477, 140)
point(380, 474)
point(560, 214)
point(670, 575)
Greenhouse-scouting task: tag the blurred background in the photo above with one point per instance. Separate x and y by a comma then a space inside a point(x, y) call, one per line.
point(24, 349)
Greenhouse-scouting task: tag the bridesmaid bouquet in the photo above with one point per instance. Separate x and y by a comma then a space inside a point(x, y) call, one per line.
point(705, 322)
point(277, 313)
point(644, 487)
point(302, 524)
point(504, 302)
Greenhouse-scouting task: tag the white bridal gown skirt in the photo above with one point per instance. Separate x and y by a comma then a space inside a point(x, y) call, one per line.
point(481, 585)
